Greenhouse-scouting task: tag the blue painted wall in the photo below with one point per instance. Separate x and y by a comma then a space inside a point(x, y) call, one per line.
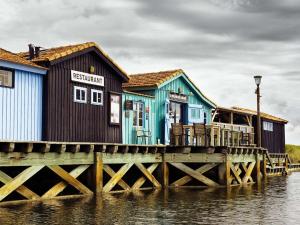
point(21, 107)
point(128, 130)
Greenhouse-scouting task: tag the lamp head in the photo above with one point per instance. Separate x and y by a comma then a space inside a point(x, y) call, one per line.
point(257, 80)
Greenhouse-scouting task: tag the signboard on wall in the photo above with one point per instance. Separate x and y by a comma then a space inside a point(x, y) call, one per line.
point(87, 78)
point(178, 97)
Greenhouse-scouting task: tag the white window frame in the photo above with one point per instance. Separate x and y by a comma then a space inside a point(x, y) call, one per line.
point(138, 103)
point(92, 97)
point(85, 93)
point(268, 126)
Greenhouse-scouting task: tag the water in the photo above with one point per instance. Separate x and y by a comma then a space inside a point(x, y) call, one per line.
point(275, 202)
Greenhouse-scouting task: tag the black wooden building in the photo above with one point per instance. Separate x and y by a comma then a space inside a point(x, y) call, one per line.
point(82, 93)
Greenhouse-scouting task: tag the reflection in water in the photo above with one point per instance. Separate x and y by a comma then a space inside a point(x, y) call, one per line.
point(276, 201)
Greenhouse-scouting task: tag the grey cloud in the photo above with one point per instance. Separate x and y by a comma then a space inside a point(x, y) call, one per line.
point(221, 44)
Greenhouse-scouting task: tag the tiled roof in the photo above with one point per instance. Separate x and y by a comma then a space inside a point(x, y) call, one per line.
point(253, 112)
point(155, 79)
point(14, 58)
point(151, 79)
point(59, 52)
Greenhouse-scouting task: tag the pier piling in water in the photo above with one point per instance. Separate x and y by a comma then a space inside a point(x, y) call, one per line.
point(41, 170)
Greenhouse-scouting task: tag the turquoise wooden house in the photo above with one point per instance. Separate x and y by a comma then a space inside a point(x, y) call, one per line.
point(176, 99)
point(21, 95)
point(138, 118)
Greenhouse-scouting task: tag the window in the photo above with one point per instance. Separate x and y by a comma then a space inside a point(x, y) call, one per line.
point(80, 95)
point(6, 78)
point(115, 105)
point(96, 97)
point(195, 113)
point(268, 126)
point(138, 114)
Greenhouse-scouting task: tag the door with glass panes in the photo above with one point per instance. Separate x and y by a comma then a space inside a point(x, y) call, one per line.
point(176, 112)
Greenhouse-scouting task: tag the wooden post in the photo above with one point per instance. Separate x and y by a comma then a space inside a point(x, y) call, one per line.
point(97, 173)
point(257, 169)
point(227, 175)
point(165, 175)
point(222, 174)
point(264, 166)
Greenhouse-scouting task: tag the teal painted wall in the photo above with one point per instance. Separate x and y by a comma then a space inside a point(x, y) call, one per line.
point(129, 131)
point(161, 94)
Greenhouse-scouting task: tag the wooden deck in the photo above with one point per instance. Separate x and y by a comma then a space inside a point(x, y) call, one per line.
point(41, 170)
point(279, 164)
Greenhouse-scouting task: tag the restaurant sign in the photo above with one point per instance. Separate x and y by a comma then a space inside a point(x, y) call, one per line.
point(87, 78)
point(178, 97)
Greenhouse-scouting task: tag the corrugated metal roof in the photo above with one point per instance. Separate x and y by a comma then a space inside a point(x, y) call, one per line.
point(14, 58)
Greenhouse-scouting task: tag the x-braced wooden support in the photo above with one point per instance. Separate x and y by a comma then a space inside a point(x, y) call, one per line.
point(116, 177)
point(194, 174)
point(240, 172)
point(17, 183)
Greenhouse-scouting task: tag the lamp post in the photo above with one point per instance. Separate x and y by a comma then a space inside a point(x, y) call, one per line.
point(257, 82)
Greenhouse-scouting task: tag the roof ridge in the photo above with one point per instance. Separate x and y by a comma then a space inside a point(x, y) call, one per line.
point(157, 72)
point(253, 112)
point(9, 56)
point(54, 53)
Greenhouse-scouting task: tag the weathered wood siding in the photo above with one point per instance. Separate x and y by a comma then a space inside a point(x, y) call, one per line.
point(129, 131)
point(66, 120)
point(274, 140)
point(21, 108)
point(162, 93)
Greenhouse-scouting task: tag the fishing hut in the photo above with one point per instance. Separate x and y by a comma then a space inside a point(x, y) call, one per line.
point(239, 126)
point(21, 91)
point(82, 94)
point(177, 101)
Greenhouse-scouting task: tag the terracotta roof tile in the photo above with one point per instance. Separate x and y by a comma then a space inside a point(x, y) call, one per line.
point(59, 52)
point(151, 79)
point(14, 58)
point(155, 79)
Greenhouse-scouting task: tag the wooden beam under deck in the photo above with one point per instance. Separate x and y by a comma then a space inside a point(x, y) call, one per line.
point(237, 164)
point(15, 159)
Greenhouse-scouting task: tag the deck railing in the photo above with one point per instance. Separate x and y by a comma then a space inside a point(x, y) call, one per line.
point(215, 134)
point(225, 134)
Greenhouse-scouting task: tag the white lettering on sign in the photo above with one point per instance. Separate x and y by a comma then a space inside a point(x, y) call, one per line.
point(178, 97)
point(87, 78)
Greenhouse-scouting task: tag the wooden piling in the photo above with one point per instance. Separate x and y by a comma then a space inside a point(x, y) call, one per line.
point(257, 169)
point(98, 172)
point(228, 178)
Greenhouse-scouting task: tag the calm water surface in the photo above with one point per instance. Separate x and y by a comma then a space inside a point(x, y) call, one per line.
point(276, 202)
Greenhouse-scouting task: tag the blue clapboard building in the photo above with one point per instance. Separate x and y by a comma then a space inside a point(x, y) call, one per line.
point(176, 100)
point(21, 98)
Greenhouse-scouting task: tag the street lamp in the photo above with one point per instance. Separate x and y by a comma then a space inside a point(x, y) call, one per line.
point(257, 82)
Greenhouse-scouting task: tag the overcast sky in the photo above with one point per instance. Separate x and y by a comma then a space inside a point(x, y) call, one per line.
point(220, 44)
